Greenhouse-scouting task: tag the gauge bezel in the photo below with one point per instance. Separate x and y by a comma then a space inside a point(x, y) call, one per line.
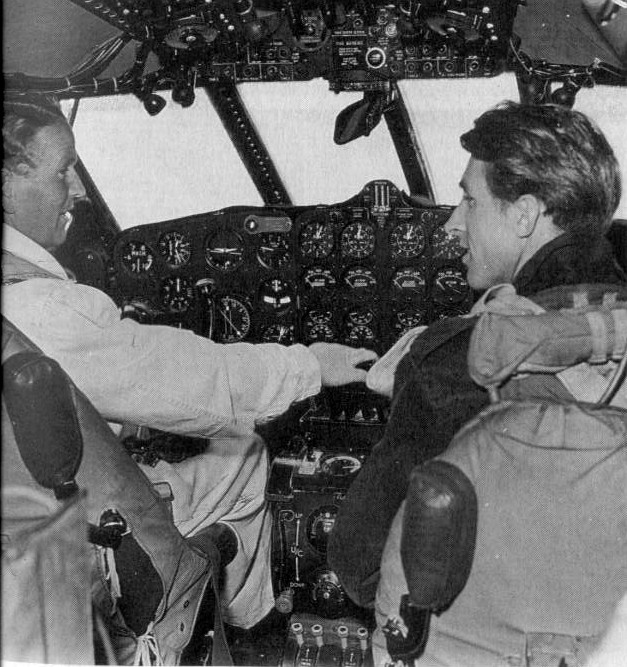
point(318, 250)
point(395, 246)
point(243, 307)
point(165, 252)
point(127, 264)
point(239, 248)
point(282, 254)
point(348, 240)
point(184, 290)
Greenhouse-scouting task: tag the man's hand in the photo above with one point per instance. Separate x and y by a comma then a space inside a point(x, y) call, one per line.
point(338, 363)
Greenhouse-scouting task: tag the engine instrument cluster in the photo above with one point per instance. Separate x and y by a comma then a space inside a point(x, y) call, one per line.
point(361, 272)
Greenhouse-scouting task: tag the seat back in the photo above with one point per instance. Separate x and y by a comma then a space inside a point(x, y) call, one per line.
point(549, 470)
point(166, 579)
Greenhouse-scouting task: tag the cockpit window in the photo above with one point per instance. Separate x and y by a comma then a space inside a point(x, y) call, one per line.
point(182, 161)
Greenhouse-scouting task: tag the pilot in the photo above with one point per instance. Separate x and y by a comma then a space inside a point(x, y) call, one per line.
point(153, 376)
point(539, 192)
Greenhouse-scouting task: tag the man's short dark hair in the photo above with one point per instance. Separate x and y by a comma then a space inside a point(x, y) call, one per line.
point(554, 153)
point(24, 116)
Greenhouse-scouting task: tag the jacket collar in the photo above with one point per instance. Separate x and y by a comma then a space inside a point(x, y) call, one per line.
point(19, 245)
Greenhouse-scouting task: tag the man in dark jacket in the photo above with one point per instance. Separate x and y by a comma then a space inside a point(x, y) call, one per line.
point(539, 192)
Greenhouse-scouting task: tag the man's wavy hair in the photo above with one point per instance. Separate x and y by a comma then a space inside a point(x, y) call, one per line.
point(24, 116)
point(554, 153)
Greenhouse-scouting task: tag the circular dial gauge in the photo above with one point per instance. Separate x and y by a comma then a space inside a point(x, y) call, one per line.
point(340, 465)
point(407, 240)
point(446, 246)
point(276, 294)
point(273, 251)
point(318, 278)
point(360, 335)
point(408, 319)
point(449, 286)
point(316, 239)
point(358, 239)
point(177, 293)
point(318, 326)
point(319, 525)
point(137, 257)
point(360, 278)
point(359, 316)
point(225, 250)
point(278, 333)
point(175, 248)
point(232, 320)
point(409, 280)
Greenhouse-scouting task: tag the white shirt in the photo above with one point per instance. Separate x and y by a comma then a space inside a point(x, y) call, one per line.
point(159, 376)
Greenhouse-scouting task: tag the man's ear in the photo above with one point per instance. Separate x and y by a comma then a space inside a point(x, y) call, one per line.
point(527, 211)
point(9, 183)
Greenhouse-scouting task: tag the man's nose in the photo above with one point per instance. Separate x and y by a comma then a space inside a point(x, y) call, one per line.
point(455, 224)
point(77, 190)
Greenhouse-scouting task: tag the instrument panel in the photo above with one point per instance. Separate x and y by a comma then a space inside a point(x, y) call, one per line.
point(361, 272)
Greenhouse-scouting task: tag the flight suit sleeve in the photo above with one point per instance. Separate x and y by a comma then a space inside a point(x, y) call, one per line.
point(167, 378)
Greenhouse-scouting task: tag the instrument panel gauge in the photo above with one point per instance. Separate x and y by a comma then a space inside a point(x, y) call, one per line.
point(340, 465)
point(359, 316)
point(360, 278)
point(276, 294)
point(409, 280)
point(318, 278)
point(407, 240)
point(445, 245)
point(317, 316)
point(360, 336)
point(278, 333)
point(232, 319)
point(317, 332)
point(137, 257)
point(224, 250)
point(177, 293)
point(175, 248)
point(274, 250)
point(358, 239)
point(449, 286)
point(408, 319)
point(316, 239)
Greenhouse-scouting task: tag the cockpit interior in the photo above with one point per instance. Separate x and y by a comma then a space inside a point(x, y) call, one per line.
point(277, 172)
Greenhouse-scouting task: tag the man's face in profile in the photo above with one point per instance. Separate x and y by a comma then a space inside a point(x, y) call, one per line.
point(42, 194)
point(486, 227)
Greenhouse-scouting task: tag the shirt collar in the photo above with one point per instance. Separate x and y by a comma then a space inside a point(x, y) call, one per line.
point(20, 245)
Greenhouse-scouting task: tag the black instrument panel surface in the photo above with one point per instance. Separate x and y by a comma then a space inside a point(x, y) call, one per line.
point(360, 272)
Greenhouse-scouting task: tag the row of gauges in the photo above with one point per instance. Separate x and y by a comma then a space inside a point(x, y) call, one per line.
point(361, 272)
point(357, 283)
point(225, 249)
point(348, 318)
